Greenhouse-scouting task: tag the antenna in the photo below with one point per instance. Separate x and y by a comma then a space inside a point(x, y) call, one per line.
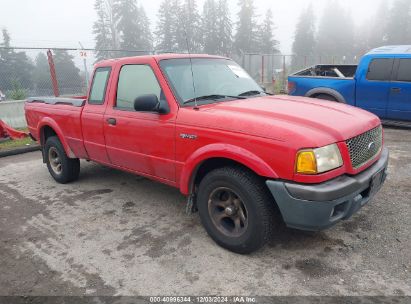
point(191, 67)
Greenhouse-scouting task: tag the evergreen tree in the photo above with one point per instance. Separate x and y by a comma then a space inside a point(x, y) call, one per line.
point(104, 30)
point(377, 32)
point(15, 67)
point(68, 75)
point(5, 53)
point(267, 43)
point(304, 40)
point(6, 67)
point(168, 26)
point(209, 27)
point(132, 26)
point(336, 33)
point(224, 29)
point(246, 39)
point(399, 23)
point(41, 76)
point(189, 27)
point(144, 24)
point(362, 40)
point(373, 32)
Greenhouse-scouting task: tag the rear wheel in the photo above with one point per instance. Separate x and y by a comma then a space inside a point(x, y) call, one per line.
point(326, 97)
point(62, 168)
point(236, 209)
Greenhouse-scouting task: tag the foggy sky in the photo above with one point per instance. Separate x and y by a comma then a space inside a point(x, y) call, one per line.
point(62, 23)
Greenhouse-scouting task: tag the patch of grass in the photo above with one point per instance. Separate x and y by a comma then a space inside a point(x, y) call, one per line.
point(17, 143)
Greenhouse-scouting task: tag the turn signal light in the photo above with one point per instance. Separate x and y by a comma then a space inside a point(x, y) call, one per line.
point(306, 162)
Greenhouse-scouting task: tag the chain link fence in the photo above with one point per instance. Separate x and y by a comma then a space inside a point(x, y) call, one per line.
point(25, 72)
point(272, 70)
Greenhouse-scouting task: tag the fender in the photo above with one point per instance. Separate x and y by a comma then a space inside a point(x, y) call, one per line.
point(227, 151)
point(327, 91)
point(48, 122)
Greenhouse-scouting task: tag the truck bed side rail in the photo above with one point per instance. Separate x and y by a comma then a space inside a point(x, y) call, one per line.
point(76, 102)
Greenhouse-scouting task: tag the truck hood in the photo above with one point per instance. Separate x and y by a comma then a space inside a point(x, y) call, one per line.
point(306, 121)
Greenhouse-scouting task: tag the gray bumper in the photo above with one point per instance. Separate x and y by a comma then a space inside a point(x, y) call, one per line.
point(317, 207)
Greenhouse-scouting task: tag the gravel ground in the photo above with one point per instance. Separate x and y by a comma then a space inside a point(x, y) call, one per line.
point(112, 233)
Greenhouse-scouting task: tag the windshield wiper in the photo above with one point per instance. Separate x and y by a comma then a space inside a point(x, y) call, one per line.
point(251, 93)
point(212, 97)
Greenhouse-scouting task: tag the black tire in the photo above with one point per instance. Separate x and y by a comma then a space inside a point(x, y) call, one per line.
point(326, 97)
point(259, 205)
point(66, 169)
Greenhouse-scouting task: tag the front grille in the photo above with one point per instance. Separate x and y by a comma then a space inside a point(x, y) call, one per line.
point(365, 147)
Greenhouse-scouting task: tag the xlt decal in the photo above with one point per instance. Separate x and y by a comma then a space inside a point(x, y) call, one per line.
point(188, 136)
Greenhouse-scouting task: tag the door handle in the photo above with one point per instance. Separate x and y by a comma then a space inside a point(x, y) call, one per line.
point(112, 121)
point(396, 90)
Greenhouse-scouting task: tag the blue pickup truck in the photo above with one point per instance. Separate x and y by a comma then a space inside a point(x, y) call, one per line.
point(381, 83)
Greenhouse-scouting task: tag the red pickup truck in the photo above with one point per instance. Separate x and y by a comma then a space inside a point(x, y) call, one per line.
point(246, 160)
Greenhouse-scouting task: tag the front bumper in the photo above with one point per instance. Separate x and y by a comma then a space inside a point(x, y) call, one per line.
point(318, 207)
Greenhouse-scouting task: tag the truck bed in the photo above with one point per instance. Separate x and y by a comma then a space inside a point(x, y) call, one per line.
point(63, 115)
point(333, 80)
point(329, 71)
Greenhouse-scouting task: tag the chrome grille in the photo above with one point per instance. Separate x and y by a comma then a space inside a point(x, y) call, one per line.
point(365, 147)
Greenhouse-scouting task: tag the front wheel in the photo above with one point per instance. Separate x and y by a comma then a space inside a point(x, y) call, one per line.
point(236, 209)
point(62, 168)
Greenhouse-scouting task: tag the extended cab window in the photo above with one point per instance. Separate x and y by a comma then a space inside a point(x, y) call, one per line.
point(404, 70)
point(380, 69)
point(135, 81)
point(99, 86)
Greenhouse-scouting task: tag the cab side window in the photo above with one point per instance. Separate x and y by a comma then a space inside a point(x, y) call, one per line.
point(404, 70)
point(99, 86)
point(380, 69)
point(135, 81)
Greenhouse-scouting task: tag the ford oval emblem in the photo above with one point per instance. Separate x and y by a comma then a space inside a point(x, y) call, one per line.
point(371, 146)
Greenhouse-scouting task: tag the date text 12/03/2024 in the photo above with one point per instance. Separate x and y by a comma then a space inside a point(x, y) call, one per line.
point(203, 299)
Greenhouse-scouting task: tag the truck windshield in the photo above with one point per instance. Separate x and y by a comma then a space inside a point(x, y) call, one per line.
point(215, 80)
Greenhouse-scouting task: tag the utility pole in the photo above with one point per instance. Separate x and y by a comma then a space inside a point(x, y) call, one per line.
point(84, 55)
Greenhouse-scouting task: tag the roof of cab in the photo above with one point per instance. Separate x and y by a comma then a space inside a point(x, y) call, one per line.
point(391, 50)
point(160, 57)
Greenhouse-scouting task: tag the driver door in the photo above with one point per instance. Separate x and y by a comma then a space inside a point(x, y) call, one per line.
point(143, 142)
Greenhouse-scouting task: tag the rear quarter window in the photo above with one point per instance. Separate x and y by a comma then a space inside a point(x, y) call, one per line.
point(404, 70)
point(99, 86)
point(380, 69)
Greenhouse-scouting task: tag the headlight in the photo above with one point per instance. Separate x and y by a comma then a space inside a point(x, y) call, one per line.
point(315, 161)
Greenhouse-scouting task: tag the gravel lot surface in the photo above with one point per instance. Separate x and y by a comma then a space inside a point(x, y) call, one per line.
point(112, 233)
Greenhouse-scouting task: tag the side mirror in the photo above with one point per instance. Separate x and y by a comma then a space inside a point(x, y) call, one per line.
point(147, 103)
